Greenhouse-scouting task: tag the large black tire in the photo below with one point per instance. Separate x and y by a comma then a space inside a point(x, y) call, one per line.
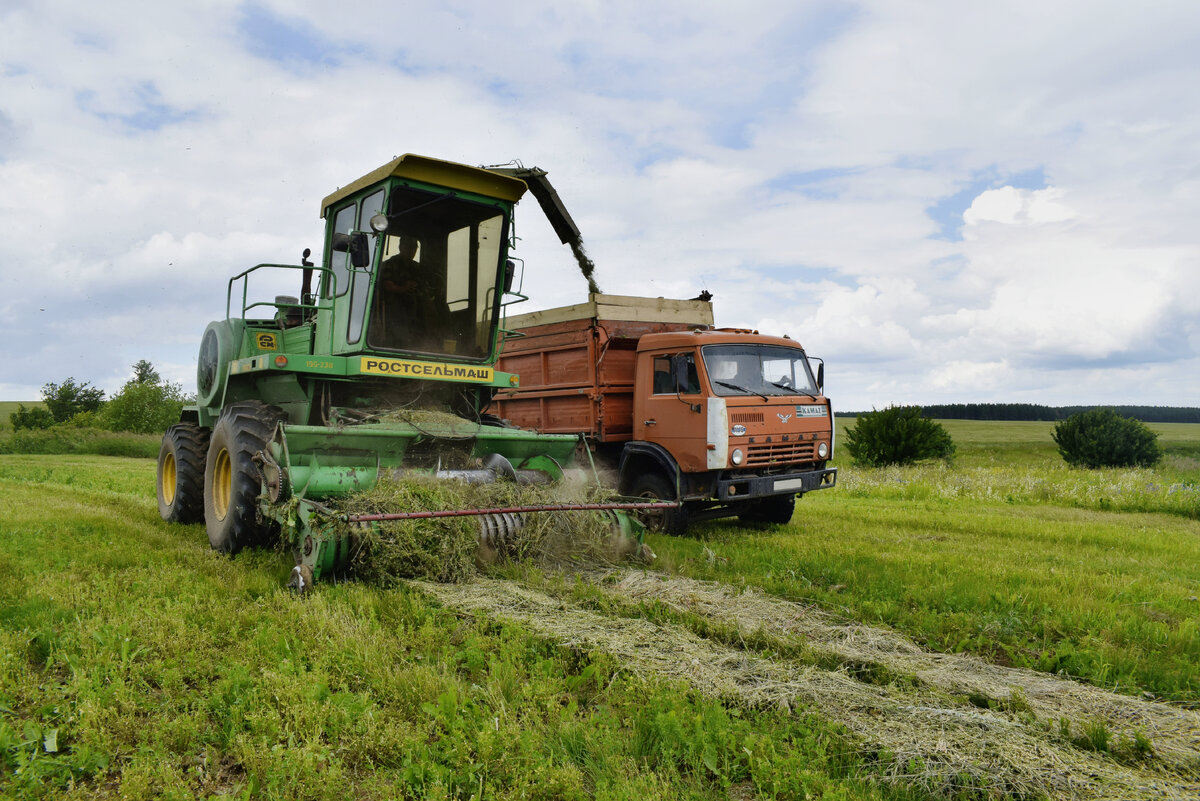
point(776, 510)
point(654, 487)
point(181, 473)
point(232, 482)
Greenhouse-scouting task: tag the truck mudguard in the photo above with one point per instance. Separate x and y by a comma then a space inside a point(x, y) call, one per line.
point(638, 458)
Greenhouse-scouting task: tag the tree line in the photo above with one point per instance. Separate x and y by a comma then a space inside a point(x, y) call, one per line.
point(1034, 411)
point(145, 405)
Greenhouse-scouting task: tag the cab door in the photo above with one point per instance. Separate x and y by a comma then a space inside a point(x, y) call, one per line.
point(670, 410)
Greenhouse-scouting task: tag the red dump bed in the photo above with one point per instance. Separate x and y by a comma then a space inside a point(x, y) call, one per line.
point(576, 363)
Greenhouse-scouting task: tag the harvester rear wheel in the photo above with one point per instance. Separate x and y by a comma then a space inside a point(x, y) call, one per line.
point(232, 482)
point(653, 487)
point(775, 510)
point(181, 473)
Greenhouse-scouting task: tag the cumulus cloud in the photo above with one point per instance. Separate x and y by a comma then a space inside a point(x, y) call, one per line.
point(948, 202)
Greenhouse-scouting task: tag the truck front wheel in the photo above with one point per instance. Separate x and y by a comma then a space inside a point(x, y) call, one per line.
point(776, 510)
point(653, 487)
point(231, 479)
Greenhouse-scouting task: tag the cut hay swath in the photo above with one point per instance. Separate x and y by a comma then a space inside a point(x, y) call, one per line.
point(449, 549)
point(921, 731)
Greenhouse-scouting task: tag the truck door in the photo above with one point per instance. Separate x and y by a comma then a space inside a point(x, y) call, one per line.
point(670, 410)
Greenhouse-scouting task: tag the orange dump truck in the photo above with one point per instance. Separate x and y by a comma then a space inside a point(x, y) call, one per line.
point(728, 421)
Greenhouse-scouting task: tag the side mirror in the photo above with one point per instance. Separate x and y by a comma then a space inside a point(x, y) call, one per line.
point(821, 376)
point(510, 272)
point(679, 372)
point(360, 254)
point(354, 243)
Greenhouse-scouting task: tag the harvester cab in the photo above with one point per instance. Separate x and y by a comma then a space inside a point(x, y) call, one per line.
point(384, 368)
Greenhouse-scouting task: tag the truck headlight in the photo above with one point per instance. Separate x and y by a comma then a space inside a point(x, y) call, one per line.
point(737, 456)
point(822, 450)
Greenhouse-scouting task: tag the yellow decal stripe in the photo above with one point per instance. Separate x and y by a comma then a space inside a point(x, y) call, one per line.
point(373, 365)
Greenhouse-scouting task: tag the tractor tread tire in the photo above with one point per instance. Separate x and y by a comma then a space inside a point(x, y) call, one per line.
point(243, 429)
point(186, 446)
point(654, 486)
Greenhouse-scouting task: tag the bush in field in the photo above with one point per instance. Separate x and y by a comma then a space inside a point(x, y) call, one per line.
point(32, 419)
point(145, 405)
point(68, 399)
point(1103, 438)
point(897, 435)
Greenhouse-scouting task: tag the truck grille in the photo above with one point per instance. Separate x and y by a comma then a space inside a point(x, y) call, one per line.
point(745, 417)
point(773, 453)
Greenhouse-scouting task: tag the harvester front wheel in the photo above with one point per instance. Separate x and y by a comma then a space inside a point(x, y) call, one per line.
point(181, 473)
point(653, 487)
point(232, 481)
point(775, 510)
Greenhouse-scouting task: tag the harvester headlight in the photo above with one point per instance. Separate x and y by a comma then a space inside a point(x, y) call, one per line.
point(822, 450)
point(737, 457)
point(379, 223)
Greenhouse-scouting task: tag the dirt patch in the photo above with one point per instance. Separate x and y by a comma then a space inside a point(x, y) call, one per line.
point(922, 732)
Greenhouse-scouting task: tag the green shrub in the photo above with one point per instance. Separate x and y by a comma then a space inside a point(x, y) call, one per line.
point(897, 435)
point(68, 399)
point(35, 418)
point(143, 408)
point(1102, 438)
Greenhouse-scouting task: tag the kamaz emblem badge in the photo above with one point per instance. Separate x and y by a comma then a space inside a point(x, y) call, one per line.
point(783, 418)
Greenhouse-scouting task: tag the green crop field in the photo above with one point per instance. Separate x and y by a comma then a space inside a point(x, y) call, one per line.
point(1000, 627)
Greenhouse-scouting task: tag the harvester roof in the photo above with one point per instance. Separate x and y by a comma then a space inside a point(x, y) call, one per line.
point(438, 172)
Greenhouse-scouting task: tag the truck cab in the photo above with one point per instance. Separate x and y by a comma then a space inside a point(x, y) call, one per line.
point(734, 417)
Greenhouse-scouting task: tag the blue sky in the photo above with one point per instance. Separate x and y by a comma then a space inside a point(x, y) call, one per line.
point(946, 201)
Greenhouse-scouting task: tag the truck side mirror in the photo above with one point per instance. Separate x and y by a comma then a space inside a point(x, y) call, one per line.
point(679, 372)
point(821, 376)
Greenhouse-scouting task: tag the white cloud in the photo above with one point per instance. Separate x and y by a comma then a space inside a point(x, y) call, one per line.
point(784, 156)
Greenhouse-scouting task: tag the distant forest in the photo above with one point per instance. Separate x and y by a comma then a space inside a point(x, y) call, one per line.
point(1033, 411)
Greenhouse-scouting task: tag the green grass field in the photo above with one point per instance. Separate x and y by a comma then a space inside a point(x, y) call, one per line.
point(135, 662)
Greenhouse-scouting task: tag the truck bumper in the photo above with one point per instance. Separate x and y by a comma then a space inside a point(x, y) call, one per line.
point(734, 489)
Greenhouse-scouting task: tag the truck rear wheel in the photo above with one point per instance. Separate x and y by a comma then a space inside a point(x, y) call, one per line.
point(776, 510)
point(181, 473)
point(232, 482)
point(653, 487)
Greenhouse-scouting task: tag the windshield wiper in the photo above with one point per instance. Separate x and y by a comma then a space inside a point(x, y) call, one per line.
point(793, 390)
point(740, 388)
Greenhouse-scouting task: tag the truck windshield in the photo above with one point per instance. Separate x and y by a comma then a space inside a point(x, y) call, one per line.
point(436, 283)
point(758, 370)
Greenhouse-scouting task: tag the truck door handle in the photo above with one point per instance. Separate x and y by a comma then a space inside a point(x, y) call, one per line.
point(649, 422)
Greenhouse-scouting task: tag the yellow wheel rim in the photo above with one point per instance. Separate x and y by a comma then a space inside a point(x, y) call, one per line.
point(168, 479)
point(222, 484)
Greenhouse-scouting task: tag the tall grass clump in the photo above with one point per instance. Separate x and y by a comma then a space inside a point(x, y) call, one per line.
point(1102, 438)
point(897, 435)
point(70, 439)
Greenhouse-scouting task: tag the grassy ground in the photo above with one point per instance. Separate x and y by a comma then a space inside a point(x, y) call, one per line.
point(1008, 554)
point(135, 662)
